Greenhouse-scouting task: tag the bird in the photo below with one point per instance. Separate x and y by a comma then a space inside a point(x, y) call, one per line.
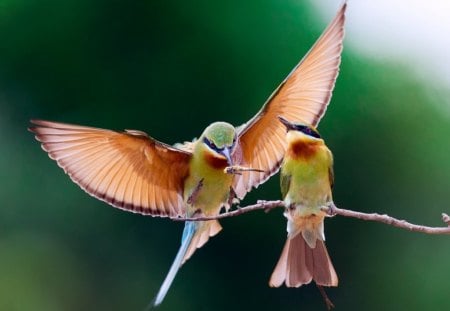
point(131, 170)
point(306, 181)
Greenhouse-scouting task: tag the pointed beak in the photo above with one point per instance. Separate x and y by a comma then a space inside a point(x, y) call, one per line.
point(289, 125)
point(226, 152)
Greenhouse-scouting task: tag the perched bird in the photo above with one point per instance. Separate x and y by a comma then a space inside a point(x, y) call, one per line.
point(132, 171)
point(306, 184)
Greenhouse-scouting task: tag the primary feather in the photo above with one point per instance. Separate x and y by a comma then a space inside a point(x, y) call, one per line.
point(302, 97)
point(128, 170)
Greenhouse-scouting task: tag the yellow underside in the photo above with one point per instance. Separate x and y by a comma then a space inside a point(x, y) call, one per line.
point(214, 191)
point(309, 191)
point(310, 181)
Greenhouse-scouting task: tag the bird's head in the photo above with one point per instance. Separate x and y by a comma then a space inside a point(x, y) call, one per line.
point(220, 138)
point(300, 131)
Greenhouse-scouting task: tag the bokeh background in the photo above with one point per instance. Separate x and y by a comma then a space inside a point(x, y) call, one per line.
point(170, 68)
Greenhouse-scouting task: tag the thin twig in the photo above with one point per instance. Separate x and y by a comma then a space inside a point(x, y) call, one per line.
point(403, 224)
point(264, 205)
point(332, 210)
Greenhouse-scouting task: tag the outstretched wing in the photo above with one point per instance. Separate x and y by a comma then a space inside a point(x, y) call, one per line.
point(128, 170)
point(302, 97)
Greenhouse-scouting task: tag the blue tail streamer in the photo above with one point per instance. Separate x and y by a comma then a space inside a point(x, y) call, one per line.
point(188, 233)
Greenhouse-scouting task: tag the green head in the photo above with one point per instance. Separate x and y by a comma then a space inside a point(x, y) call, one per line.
point(220, 138)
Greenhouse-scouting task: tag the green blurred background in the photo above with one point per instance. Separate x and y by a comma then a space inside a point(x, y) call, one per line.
point(170, 68)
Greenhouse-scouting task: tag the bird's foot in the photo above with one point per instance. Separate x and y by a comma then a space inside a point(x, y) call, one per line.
point(197, 214)
point(330, 209)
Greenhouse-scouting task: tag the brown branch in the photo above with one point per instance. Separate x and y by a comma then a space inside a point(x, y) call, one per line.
point(403, 224)
point(264, 205)
point(332, 210)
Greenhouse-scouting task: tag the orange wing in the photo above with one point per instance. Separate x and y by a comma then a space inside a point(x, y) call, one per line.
point(302, 97)
point(128, 170)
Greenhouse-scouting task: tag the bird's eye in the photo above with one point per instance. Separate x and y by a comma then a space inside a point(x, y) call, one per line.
point(211, 145)
point(308, 131)
point(301, 128)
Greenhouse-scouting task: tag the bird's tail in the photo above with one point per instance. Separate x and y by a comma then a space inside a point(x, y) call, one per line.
point(206, 229)
point(303, 260)
point(195, 235)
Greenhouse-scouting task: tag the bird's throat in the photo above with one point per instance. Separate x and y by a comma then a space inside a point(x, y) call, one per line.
point(303, 149)
point(215, 162)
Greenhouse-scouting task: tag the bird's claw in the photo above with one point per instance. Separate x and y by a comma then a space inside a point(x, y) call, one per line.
point(330, 209)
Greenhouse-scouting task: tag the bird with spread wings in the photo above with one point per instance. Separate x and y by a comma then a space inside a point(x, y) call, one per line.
point(132, 171)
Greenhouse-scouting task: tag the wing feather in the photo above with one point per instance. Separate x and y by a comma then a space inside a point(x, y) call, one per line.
point(302, 97)
point(128, 170)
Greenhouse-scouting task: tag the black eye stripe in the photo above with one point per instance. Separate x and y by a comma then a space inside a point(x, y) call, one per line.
point(211, 145)
point(307, 130)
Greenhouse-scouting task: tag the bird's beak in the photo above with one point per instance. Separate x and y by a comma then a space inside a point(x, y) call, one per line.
point(289, 125)
point(226, 152)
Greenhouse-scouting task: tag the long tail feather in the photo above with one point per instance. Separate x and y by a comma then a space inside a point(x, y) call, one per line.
point(300, 264)
point(324, 273)
point(195, 235)
point(206, 230)
point(190, 229)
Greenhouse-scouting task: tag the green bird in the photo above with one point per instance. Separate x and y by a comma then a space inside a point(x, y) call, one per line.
point(132, 171)
point(306, 184)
